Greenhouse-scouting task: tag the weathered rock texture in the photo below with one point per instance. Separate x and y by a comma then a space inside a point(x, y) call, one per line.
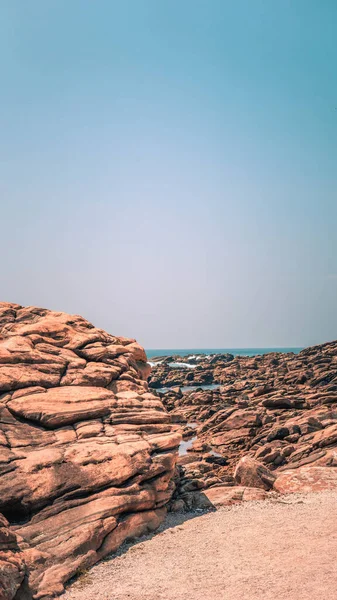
point(87, 453)
point(278, 410)
point(184, 370)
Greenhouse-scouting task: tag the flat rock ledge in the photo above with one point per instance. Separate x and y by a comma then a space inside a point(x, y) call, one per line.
point(87, 453)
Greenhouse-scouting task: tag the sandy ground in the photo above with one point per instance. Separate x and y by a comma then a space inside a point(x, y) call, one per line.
point(268, 550)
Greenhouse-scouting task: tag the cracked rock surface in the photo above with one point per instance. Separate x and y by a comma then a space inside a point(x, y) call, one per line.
point(87, 452)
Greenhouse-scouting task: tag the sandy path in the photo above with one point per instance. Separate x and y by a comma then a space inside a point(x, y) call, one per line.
point(254, 551)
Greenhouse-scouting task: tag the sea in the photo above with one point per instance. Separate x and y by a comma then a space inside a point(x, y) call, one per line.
point(151, 353)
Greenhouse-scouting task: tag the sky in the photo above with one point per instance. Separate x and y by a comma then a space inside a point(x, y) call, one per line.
point(168, 167)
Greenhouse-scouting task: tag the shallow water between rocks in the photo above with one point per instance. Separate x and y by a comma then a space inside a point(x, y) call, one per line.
point(185, 445)
point(188, 388)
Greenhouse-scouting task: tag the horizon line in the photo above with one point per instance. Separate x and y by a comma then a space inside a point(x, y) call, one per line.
point(233, 348)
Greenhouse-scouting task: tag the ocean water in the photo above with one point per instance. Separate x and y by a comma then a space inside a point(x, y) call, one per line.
point(236, 351)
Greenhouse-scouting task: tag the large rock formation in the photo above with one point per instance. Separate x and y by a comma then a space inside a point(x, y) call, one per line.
point(87, 453)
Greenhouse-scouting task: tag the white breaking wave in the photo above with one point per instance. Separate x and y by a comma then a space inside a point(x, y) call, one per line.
point(182, 365)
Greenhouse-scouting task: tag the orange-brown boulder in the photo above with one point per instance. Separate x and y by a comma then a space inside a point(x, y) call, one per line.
point(251, 473)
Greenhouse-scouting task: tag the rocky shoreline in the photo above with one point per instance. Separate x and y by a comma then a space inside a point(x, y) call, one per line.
point(95, 446)
point(193, 370)
point(276, 412)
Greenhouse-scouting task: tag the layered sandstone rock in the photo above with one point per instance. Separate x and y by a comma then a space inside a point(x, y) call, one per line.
point(87, 453)
point(12, 566)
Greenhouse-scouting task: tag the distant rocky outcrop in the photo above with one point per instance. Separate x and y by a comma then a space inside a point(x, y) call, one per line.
point(279, 411)
point(193, 370)
point(87, 452)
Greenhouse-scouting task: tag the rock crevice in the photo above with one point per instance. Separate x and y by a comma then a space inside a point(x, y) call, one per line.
point(87, 452)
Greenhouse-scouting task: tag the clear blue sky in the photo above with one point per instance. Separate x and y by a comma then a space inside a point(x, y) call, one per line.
point(168, 168)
